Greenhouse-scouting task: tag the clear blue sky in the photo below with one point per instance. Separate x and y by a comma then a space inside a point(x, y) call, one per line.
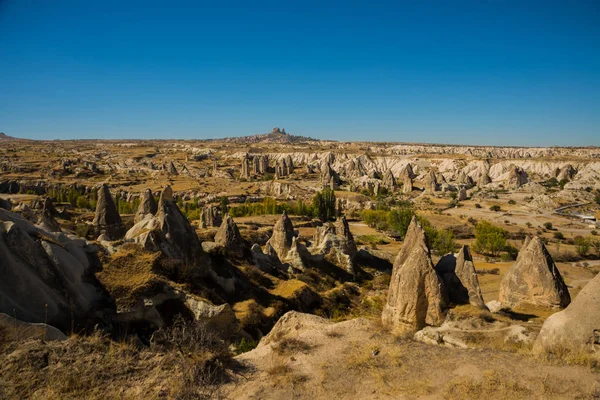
point(480, 72)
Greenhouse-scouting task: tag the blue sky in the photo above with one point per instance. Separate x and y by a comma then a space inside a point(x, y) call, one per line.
point(477, 72)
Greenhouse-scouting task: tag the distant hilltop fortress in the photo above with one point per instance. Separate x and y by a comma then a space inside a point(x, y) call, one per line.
point(276, 131)
point(276, 135)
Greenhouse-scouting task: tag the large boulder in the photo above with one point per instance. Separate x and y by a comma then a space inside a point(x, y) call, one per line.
point(107, 220)
point(576, 329)
point(228, 236)
point(48, 276)
point(460, 279)
point(416, 297)
point(534, 279)
point(147, 206)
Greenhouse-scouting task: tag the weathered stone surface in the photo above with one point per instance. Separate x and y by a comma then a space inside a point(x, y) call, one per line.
point(462, 194)
point(430, 182)
point(534, 279)
point(47, 220)
point(575, 329)
point(230, 238)
point(14, 329)
point(210, 217)
point(220, 318)
point(47, 276)
point(567, 173)
point(516, 177)
point(460, 279)
point(107, 219)
point(329, 178)
point(282, 237)
point(336, 244)
point(147, 206)
point(389, 182)
point(416, 296)
point(169, 231)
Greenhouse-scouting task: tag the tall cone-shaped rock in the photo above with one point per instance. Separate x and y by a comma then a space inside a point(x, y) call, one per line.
point(147, 206)
point(416, 297)
point(576, 329)
point(47, 221)
point(169, 231)
point(107, 219)
point(430, 182)
point(230, 238)
point(460, 279)
point(283, 234)
point(389, 182)
point(534, 279)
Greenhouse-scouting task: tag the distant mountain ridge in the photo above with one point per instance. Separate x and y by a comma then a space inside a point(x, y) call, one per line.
point(275, 136)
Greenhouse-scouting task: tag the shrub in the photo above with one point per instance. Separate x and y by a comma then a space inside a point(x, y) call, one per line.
point(477, 205)
point(582, 245)
point(512, 202)
point(548, 225)
point(495, 207)
point(559, 235)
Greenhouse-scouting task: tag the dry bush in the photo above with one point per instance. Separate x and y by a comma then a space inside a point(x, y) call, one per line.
point(491, 385)
point(95, 367)
point(289, 346)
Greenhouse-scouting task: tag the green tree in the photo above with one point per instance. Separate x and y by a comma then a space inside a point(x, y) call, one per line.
point(399, 219)
point(582, 245)
point(224, 205)
point(489, 238)
point(444, 242)
point(324, 205)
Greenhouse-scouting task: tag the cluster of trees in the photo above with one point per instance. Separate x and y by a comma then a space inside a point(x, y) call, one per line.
point(323, 207)
point(396, 221)
point(74, 197)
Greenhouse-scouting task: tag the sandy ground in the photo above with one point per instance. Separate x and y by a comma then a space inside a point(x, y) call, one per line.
point(306, 357)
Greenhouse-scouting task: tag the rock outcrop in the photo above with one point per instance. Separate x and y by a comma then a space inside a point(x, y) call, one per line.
point(147, 206)
point(47, 220)
point(389, 182)
point(576, 329)
point(534, 279)
point(516, 177)
point(329, 178)
point(430, 183)
point(107, 220)
point(48, 276)
point(282, 237)
point(460, 279)
point(169, 231)
point(16, 330)
point(228, 236)
point(416, 296)
point(336, 244)
point(210, 217)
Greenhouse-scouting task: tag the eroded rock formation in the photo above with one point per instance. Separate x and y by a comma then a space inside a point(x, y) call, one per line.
point(534, 279)
point(460, 279)
point(107, 220)
point(416, 296)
